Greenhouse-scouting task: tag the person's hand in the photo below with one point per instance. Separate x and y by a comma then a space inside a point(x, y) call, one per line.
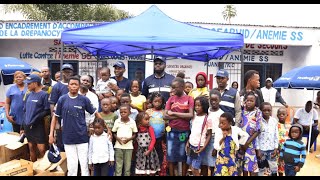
point(285, 105)
point(214, 153)
point(91, 167)
point(147, 153)
point(170, 113)
point(296, 168)
point(112, 86)
point(21, 132)
point(244, 147)
point(100, 96)
point(200, 150)
point(91, 131)
point(274, 154)
point(51, 139)
point(111, 163)
point(259, 154)
point(307, 128)
point(125, 140)
point(10, 119)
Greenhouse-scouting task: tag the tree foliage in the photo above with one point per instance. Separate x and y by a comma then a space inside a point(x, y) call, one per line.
point(229, 12)
point(68, 12)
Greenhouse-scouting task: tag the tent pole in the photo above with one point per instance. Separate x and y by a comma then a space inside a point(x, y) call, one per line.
point(207, 59)
point(242, 68)
point(152, 55)
point(61, 60)
point(311, 122)
point(97, 65)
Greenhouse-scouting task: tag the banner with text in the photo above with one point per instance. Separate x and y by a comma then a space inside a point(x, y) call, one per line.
point(38, 30)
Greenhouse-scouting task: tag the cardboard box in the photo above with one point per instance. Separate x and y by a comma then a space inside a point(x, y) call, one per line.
point(43, 167)
point(11, 148)
point(17, 168)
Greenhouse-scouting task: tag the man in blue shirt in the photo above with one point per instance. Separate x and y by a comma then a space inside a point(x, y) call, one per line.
point(160, 81)
point(71, 109)
point(58, 90)
point(122, 82)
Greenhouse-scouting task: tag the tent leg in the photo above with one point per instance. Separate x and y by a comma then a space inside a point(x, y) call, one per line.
point(61, 60)
point(310, 128)
point(242, 68)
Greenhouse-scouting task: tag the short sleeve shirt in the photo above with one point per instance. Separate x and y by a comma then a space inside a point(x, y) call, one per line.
point(72, 111)
point(124, 130)
point(182, 105)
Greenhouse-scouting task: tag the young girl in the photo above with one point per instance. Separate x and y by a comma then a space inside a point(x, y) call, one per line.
point(147, 161)
point(137, 100)
point(227, 141)
point(283, 131)
point(188, 87)
point(101, 153)
point(200, 135)
point(124, 130)
point(202, 89)
point(158, 124)
point(179, 110)
point(250, 122)
point(213, 116)
point(267, 142)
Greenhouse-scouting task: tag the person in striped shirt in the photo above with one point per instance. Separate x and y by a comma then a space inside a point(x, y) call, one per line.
point(293, 152)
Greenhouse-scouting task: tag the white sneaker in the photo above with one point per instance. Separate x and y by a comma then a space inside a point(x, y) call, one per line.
point(318, 156)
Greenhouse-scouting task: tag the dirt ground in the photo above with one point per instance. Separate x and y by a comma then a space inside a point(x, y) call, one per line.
point(312, 164)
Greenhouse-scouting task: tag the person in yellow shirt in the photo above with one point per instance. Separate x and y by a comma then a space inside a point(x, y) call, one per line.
point(201, 89)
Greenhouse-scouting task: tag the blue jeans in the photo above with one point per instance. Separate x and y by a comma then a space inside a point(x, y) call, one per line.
point(289, 170)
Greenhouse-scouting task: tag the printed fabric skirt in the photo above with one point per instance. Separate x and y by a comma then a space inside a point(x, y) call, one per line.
point(147, 164)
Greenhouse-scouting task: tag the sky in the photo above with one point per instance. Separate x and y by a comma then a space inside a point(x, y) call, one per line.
point(305, 15)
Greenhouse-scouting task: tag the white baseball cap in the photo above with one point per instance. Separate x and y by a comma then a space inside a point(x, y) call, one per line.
point(269, 79)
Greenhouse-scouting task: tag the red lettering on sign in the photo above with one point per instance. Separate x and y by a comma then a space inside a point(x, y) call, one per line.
point(56, 42)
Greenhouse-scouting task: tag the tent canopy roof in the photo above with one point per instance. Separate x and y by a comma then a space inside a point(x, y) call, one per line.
point(153, 32)
point(9, 65)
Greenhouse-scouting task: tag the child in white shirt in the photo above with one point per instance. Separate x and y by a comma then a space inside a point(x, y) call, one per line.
point(101, 152)
point(105, 84)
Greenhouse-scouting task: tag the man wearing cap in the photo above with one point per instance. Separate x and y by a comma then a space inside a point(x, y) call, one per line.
point(271, 95)
point(58, 90)
point(36, 107)
point(230, 98)
point(122, 82)
point(160, 81)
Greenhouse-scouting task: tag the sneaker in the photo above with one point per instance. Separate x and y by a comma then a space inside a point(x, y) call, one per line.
point(318, 156)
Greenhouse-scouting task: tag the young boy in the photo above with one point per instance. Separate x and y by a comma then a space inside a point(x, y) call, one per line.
point(124, 130)
point(105, 84)
point(126, 99)
point(114, 103)
point(283, 135)
point(107, 115)
point(293, 152)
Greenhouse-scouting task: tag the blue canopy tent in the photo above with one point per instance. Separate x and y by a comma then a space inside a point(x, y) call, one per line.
point(156, 34)
point(9, 65)
point(306, 77)
point(153, 32)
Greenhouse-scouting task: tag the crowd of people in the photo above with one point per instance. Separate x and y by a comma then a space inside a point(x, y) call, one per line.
point(118, 127)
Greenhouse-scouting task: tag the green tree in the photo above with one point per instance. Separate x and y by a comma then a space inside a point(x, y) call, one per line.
point(68, 12)
point(229, 12)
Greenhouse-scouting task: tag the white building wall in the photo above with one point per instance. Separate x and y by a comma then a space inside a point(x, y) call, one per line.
point(302, 49)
